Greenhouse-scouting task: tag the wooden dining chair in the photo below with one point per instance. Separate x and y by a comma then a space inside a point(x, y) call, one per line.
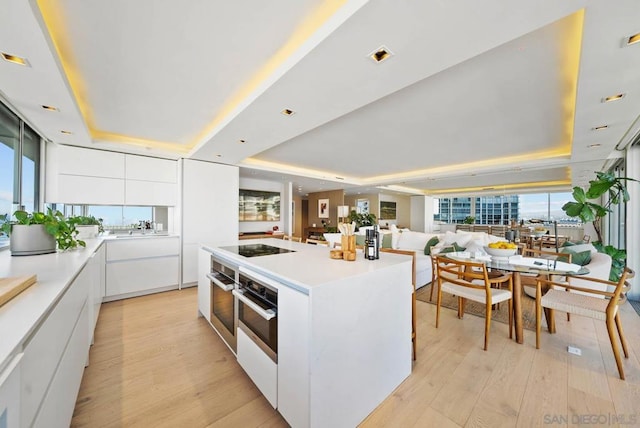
point(317, 242)
point(589, 303)
point(296, 239)
point(286, 238)
point(413, 296)
point(470, 280)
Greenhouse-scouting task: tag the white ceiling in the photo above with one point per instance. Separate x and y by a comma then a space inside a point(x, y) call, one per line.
point(493, 96)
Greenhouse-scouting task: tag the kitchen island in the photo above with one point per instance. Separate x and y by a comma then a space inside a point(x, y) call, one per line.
point(343, 328)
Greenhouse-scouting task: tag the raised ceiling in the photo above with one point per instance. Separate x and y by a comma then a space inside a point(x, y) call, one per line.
point(476, 97)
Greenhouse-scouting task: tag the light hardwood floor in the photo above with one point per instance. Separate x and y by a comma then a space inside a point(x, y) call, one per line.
point(155, 363)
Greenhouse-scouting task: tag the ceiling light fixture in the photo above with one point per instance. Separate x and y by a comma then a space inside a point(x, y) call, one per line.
point(50, 108)
point(288, 112)
point(593, 146)
point(633, 39)
point(242, 141)
point(600, 128)
point(613, 98)
point(15, 59)
point(380, 54)
point(218, 155)
point(66, 132)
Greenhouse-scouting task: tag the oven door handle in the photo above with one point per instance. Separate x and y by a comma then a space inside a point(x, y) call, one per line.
point(216, 281)
point(267, 314)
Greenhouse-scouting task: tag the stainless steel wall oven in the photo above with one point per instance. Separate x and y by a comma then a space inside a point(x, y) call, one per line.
point(223, 305)
point(258, 312)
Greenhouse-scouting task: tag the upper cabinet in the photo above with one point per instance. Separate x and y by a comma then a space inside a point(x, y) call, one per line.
point(76, 175)
point(151, 169)
point(150, 181)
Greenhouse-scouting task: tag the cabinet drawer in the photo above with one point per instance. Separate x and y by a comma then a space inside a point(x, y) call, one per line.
point(139, 275)
point(126, 249)
point(43, 352)
point(59, 402)
point(10, 394)
point(260, 368)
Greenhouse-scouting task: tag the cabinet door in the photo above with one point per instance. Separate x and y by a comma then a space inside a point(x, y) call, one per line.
point(134, 276)
point(79, 189)
point(126, 249)
point(204, 284)
point(59, 402)
point(80, 161)
point(138, 192)
point(209, 209)
point(45, 349)
point(151, 169)
point(10, 394)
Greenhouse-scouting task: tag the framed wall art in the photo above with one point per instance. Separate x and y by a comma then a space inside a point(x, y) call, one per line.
point(323, 208)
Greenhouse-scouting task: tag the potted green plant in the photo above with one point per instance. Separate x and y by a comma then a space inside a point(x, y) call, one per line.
point(38, 233)
point(587, 211)
point(469, 220)
point(88, 226)
point(361, 219)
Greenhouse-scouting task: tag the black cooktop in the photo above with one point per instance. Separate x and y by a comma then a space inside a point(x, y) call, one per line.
point(256, 250)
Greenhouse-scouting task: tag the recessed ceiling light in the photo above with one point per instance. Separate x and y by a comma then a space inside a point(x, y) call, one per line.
point(66, 132)
point(613, 98)
point(242, 141)
point(380, 54)
point(288, 112)
point(600, 128)
point(15, 59)
point(633, 39)
point(218, 155)
point(592, 146)
point(50, 108)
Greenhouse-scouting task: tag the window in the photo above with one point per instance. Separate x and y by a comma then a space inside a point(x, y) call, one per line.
point(19, 164)
point(502, 209)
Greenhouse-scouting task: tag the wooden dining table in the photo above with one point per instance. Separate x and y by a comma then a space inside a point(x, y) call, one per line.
point(518, 265)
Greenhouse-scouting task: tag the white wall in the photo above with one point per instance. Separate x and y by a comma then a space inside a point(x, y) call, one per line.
point(422, 213)
point(285, 203)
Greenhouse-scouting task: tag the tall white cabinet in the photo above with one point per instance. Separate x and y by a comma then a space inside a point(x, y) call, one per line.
point(209, 210)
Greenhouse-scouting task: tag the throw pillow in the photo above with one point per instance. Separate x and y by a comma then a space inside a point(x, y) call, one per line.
point(568, 244)
point(430, 243)
point(455, 247)
point(386, 240)
point(360, 239)
point(581, 258)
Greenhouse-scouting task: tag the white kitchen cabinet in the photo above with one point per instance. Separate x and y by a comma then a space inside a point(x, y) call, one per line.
point(204, 284)
point(260, 368)
point(60, 399)
point(88, 162)
point(138, 192)
point(47, 347)
point(76, 189)
point(293, 356)
point(209, 209)
point(10, 394)
point(96, 267)
point(77, 175)
point(151, 169)
point(140, 266)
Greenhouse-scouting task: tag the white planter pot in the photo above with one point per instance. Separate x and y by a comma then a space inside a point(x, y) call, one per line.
point(87, 231)
point(31, 240)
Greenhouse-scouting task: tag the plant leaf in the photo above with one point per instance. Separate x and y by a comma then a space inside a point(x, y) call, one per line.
point(579, 195)
point(572, 209)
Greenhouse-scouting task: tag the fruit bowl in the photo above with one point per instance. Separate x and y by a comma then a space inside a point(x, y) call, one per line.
point(500, 252)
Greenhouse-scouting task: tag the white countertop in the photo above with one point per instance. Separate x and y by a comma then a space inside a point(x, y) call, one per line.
point(308, 267)
point(120, 237)
point(55, 271)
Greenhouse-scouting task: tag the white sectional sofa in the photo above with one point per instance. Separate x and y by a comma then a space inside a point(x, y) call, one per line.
point(417, 241)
